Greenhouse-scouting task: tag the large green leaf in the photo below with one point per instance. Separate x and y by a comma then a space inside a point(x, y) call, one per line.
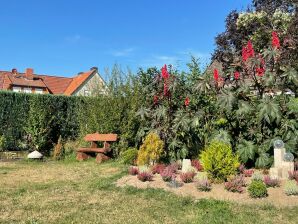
point(246, 150)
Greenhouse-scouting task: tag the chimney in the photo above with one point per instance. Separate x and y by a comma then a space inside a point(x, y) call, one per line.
point(14, 71)
point(29, 74)
point(94, 68)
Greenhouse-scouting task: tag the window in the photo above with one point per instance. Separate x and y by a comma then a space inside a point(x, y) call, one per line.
point(27, 90)
point(39, 91)
point(87, 92)
point(17, 89)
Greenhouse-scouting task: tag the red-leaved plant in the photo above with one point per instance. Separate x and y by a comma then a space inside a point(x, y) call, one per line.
point(187, 177)
point(248, 173)
point(204, 185)
point(196, 164)
point(168, 173)
point(158, 168)
point(145, 176)
point(235, 184)
point(133, 170)
point(271, 182)
point(293, 175)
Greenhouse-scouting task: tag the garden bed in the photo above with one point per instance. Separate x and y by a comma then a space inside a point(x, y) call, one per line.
point(276, 196)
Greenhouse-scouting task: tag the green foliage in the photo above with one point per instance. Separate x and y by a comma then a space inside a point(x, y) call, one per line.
point(257, 189)
point(129, 156)
point(291, 187)
point(219, 161)
point(58, 152)
point(151, 150)
point(2, 143)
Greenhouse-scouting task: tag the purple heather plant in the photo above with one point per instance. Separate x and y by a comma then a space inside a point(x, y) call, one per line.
point(271, 182)
point(248, 173)
point(235, 184)
point(145, 176)
point(168, 173)
point(132, 170)
point(187, 177)
point(204, 185)
point(158, 168)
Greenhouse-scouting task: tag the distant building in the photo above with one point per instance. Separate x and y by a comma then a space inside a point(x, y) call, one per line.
point(83, 84)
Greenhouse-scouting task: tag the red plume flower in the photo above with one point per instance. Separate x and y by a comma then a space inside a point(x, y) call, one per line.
point(260, 71)
point(275, 40)
point(237, 75)
point(164, 72)
point(216, 75)
point(248, 51)
point(186, 101)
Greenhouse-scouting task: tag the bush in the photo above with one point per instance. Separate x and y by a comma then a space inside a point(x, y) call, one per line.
point(58, 152)
point(196, 164)
point(187, 177)
point(145, 176)
point(271, 182)
point(235, 184)
point(151, 150)
point(133, 170)
point(219, 161)
point(70, 148)
point(167, 174)
point(129, 156)
point(257, 189)
point(257, 176)
point(158, 168)
point(291, 187)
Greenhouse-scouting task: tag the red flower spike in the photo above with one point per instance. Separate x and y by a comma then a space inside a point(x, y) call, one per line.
point(237, 75)
point(186, 101)
point(275, 40)
point(260, 71)
point(164, 72)
point(216, 75)
point(248, 51)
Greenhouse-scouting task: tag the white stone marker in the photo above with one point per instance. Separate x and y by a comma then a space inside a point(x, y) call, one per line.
point(35, 155)
point(186, 165)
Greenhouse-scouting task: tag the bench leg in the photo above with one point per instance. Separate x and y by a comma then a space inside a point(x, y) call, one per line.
point(101, 158)
point(81, 156)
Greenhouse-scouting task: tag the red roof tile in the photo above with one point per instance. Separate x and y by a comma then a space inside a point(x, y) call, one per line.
point(77, 82)
point(57, 85)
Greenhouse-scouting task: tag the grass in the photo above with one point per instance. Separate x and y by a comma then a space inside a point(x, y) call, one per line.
point(73, 192)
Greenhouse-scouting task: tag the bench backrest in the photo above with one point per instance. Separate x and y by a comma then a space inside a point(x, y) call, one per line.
point(96, 137)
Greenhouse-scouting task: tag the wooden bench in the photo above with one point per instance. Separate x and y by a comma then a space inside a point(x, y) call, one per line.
point(102, 154)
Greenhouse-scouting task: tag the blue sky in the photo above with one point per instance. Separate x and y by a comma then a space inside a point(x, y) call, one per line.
point(64, 37)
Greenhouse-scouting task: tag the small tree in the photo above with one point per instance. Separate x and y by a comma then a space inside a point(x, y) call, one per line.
point(151, 150)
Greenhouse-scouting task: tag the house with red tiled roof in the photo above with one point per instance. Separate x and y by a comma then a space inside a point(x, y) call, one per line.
point(83, 84)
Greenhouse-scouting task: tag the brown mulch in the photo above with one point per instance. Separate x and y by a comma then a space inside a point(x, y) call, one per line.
point(276, 196)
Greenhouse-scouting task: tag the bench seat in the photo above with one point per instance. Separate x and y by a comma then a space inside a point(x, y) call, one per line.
point(97, 150)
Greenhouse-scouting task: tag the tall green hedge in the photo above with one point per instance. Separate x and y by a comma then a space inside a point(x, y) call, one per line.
point(36, 121)
point(32, 121)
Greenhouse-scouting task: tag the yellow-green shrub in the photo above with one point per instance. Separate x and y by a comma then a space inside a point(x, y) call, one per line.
point(151, 149)
point(219, 161)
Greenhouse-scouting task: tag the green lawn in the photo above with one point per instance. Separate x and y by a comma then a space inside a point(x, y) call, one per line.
point(73, 192)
